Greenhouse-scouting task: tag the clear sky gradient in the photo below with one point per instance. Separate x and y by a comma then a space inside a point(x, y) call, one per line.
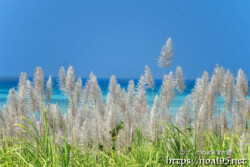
point(121, 37)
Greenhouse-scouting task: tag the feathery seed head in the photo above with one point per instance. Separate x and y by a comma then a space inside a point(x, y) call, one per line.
point(141, 106)
point(149, 78)
point(70, 80)
point(49, 88)
point(218, 78)
point(180, 79)
point(200, 89)
point(114, 88)
point(111, 113)
point(22, 86)
point(228, 89)
point(152, 121)
point(93, 88)
point(112, 84)
point(39, 82)
point(32, 98)
point(12, 100)
point(78, 89)
point(62, 79)
point(184, 117)
point(168, 88)
point(123, 102)
point(130, 95)
point(166, 54)
point(241, 86)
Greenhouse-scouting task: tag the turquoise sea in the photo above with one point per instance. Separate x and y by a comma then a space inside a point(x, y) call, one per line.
point(57, 97)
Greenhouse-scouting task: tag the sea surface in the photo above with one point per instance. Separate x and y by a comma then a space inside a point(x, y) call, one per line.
point(57, 97)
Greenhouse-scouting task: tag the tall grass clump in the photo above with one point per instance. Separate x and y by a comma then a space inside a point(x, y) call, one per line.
point(123, 130)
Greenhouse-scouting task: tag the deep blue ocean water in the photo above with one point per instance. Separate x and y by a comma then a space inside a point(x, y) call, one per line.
point(57, 97)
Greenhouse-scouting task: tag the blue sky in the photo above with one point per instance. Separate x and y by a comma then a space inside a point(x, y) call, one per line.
point(121, 37)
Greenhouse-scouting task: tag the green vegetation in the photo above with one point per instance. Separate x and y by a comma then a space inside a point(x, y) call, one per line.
point(37, 150)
